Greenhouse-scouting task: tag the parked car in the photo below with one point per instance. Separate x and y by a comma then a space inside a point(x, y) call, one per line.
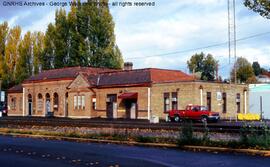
point(4, 110)
point(193, 112)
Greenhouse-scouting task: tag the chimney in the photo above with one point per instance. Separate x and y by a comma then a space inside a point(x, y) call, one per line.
point(128, 65)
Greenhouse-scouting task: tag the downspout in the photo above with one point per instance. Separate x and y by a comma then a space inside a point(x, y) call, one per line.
point(245, 96)
point(201, 94)
point(23, 102)
point(149, 103)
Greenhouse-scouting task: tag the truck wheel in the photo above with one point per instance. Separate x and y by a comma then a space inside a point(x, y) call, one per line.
point(176, 118)
point(204, 119)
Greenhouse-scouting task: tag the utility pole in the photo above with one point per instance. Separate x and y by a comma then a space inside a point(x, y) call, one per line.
point(232, 34)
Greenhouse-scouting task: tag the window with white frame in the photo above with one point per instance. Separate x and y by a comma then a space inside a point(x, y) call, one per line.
point(79, 102)
point(75, 102)
point(83, 102)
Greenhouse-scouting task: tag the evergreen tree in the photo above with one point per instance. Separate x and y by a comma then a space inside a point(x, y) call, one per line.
point(61, 39)
point(256, 68)
point(47, 57)
point(38, 50)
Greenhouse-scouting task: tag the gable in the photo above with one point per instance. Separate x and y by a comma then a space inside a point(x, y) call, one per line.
point(79, 82)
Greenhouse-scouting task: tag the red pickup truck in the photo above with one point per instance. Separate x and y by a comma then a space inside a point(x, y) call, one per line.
point(194, 112)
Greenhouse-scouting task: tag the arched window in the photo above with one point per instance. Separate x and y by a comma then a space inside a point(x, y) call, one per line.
point(13, 103)
point(30, 106)
point(29, 98)
point(39, 102)
point(55, 102)
point(48, 103)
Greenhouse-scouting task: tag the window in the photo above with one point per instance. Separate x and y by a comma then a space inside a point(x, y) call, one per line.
point(224, 105)
point(39, 102)
point(13, 103)
point(21, 104)
point(166, 102)
point(75, 102)
point(79, 102)
point(55, 102)
point(174, 101)
point(238, 102)
point(83, 102)
point(94, 103)
point(208, 100)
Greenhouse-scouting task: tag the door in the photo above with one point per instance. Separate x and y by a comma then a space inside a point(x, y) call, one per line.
point(30, 107)
point(110, 109)
point(133, 111)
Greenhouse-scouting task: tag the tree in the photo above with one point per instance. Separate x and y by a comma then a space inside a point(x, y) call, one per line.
point(61, 39)
point(260, 6)
point(4, 29)
point(3, 37)
point(25, 60)
point(244, 70)
point(256, 68)
point(38, 51)
point(47, 57)
point(12, 52)
point(204, 64)
point(84, 36)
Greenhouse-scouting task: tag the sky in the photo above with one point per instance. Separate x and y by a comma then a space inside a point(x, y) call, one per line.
point(168, 33)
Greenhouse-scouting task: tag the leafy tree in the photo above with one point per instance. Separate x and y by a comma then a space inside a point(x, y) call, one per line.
point(24, 63)
point(4, 29)
point(12, 52)
point(256, 68)
point(244, 70)
point(204, 64)
point(260, 6)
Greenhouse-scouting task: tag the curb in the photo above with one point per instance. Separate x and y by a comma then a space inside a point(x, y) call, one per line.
point(265, 153)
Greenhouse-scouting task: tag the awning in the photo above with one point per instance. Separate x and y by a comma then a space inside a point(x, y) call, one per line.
point(128, 95)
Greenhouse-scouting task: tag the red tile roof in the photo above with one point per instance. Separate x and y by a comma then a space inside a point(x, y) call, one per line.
point(16, 89)
point(104, 77)
point(137, 77)
point(64, 73)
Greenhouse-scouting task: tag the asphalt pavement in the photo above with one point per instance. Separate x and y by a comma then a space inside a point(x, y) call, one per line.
point(27, 152)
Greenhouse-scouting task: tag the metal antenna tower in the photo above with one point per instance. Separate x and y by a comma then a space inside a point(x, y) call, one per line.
point(232, 34)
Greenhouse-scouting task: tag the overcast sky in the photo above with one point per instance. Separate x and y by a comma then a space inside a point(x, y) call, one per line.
point(167, 34)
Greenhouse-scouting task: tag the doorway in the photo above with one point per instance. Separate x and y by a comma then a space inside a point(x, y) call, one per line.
point(30, 107)
point(48, 104)
point(111, 106)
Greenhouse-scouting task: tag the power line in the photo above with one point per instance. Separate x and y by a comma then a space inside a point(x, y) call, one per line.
point(199, 48)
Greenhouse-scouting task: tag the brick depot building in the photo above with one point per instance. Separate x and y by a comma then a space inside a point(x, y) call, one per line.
point(86, 92)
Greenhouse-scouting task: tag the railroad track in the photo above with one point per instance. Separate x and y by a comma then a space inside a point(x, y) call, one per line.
point(222, 126)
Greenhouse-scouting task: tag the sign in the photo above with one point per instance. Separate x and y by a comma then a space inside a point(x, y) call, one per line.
point(2, 96)
point(219, 96)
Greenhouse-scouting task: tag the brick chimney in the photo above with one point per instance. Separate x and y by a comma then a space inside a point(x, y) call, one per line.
point(128, 66)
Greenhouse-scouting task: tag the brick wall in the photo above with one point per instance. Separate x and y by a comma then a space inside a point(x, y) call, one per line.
point(189, 93)
point(18, 108)
point(43, 88)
